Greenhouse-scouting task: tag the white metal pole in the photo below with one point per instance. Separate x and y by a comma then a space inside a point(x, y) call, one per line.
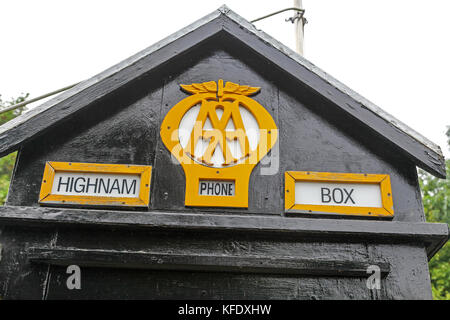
point(299, 28)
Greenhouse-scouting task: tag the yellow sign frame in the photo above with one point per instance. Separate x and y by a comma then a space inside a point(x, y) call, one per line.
point(386, 211)
point(195, 170)
point(51, 167)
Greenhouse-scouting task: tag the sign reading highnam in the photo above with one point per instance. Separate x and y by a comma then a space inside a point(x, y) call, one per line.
point(218, 135)
point(338, 193)
point(73, 183)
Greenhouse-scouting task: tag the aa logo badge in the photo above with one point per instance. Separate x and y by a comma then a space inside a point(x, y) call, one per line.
point(218, 134)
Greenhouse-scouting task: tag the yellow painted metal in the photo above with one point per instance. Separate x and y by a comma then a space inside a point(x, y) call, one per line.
point(383, 180)
point(51, 167)
point(229, 97)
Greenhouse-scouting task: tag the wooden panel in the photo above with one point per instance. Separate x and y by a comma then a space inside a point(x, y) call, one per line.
point(432, 235)
point(330, 142)
point(154, 284)
point(207, 263)
point(18, 278)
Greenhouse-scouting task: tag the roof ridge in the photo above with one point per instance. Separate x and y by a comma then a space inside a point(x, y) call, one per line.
point(425, 153)
point(333, 81)
point(108, 72)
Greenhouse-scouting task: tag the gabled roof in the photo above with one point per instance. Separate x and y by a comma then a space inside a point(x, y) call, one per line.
point(422, 152)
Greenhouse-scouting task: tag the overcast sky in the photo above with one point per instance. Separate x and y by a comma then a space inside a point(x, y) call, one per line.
point(394, 53)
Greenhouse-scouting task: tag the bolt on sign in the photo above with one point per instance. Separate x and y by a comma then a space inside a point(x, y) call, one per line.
point(338, 193)
point(95, 184)
point(218, 135)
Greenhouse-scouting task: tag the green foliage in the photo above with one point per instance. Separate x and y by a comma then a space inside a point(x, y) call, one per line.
point(436, 202)
point(7, 162)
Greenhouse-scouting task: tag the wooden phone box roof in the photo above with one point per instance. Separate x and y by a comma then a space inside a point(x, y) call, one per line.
point(410, 144)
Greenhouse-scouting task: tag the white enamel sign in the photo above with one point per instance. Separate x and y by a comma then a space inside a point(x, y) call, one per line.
point(358, 194)
point(96, 184)
point(338, 194)
point(216, 188)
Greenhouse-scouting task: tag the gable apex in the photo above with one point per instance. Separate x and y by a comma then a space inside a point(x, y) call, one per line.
point(420, 150)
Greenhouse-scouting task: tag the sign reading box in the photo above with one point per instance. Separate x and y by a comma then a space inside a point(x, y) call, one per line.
point(338, 193)
point(94, 184)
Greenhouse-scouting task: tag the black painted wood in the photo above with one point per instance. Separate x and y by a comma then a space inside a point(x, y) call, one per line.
point(201, 263)
point(18, 278)
point(327, 140)
point(400, 245)
point(432, 235)
point(155, 284)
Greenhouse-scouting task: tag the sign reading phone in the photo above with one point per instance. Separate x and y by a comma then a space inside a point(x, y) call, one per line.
point(338, 193)
point(216, 188)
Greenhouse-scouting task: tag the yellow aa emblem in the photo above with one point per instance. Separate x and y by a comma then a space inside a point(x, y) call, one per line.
point(218, 134)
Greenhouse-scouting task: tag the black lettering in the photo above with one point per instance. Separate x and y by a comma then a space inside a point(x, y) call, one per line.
point(327, 194)
point(210, 188)
point(349, 195)
point(341, 195)
point(101, 183)
point(125, 186)
point(224, 189)
point(91, 184)
point(115, 186)
point(76, 185)
point(62, 183)
point(71, 183)
point(202, 187)
point(217, 190)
